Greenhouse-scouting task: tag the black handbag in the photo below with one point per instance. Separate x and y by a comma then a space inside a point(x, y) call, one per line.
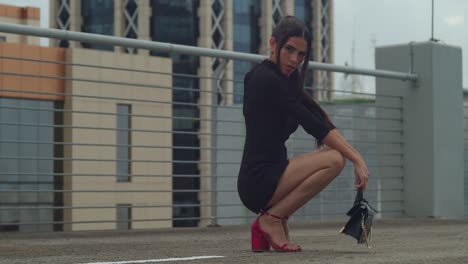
point(359, 224)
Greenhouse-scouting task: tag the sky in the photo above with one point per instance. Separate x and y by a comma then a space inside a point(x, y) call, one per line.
point(384, 22)
point(370, 23)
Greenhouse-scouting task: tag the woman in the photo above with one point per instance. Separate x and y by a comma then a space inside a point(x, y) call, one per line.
point(274, 105)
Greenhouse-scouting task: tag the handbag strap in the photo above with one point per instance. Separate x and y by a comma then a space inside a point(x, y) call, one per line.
point(359, 196)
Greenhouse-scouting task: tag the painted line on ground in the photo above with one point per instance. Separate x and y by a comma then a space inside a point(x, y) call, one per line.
point(155, 260)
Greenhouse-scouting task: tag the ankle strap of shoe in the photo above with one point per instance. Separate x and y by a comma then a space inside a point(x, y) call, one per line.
point(263, 212)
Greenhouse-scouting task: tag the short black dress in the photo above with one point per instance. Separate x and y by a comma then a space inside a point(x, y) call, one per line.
point(272, 112)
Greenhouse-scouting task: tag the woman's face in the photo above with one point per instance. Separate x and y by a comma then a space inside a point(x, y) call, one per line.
point(292, 54)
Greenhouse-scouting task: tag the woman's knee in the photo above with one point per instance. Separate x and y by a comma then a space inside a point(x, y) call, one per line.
point(337, 161)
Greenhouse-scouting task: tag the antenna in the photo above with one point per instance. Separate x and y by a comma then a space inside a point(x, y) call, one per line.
point(432, 21)
point(432, 24)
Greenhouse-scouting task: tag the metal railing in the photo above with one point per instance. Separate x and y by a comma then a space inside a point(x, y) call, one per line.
point(59, 175)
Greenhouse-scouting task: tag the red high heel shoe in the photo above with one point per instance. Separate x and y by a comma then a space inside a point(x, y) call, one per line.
point(261, 241)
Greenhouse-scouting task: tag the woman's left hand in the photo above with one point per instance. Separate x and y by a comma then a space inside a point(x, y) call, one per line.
point(361, 173)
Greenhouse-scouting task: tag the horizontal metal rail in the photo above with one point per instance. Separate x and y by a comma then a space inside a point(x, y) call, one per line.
point(157, 206)
point(328, 213)
point(383, 154)
point(127, 84)
point(148, 101)
point(165, 131)
point(332, 115)
point(119, 99)
point(182, 49)
point(121, 69)
point(170, 191)
point(194, 118)
point(309, 88)
point(52, 174)
point(146, 161)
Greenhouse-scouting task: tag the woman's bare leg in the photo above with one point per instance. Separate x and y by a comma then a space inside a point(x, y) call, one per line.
point(305, 176)
point(285, 220)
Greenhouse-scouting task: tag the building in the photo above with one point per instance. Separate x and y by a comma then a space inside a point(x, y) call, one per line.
point(69, 120)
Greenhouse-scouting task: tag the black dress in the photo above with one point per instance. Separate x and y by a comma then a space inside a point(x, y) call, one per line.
point(272, 112)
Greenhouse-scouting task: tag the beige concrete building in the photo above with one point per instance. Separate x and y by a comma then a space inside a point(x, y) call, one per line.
point(150, 139)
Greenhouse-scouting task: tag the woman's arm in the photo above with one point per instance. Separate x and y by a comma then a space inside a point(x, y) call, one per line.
point(336, 141)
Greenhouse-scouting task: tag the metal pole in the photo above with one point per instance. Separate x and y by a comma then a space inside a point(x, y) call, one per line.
point(187, 50)
point(214, 134)
point(432, 22)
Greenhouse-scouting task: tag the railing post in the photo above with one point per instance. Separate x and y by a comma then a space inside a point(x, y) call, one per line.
point(217, 74)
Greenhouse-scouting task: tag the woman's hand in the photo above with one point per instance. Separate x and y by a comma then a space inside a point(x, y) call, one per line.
point(361, 172)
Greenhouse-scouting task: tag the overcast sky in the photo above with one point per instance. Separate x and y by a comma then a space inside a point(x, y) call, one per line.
point(384, 22)
point(375, 22)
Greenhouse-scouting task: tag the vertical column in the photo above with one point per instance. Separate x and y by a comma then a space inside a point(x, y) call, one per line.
point(228, 45)
point(266, 26)
point(53, 8)
point(76, 21)
point(205, 40)
point(331, 48)
point(324, 49)
point(119, 22)
point(432, 126)
point(317, 44)
point(287, 7)
point(144, 21)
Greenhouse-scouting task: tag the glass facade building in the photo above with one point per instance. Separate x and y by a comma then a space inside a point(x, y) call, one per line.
point(176, 21)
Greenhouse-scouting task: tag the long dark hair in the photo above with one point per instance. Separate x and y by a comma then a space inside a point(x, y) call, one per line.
point(291, 26)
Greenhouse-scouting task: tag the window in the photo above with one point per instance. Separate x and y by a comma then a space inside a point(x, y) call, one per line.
point(98, 18)
point(26, 133)
point(124, 167)
point(246, 39)
point(124, 216)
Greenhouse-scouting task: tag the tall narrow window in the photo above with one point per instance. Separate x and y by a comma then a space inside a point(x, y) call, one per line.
point(303, 11)
point(124, 167)
point(246, 39)
point(124, 216)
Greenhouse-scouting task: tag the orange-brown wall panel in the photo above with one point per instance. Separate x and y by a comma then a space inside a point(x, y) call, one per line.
point(32, 13)
point(13, 11)
point(42, 79)
point(3, 11)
